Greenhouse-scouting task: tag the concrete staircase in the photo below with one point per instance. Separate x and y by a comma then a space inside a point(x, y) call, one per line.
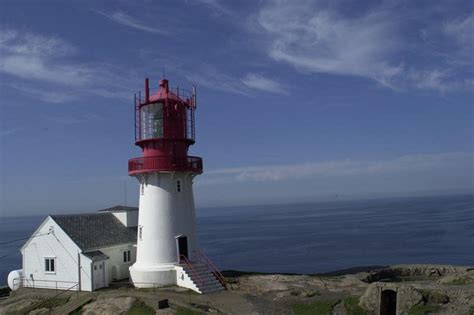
point(203, 279)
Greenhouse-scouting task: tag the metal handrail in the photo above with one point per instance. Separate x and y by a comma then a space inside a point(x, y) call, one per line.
point(208, 262)
point(193, 270)
point(53, 297)
point(30, 283)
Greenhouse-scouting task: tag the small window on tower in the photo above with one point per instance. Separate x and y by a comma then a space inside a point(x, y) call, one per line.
point(140, 232)
point(178, 186)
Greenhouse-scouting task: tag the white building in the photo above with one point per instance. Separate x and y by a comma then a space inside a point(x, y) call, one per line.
point(88, 251)
point(79, 251)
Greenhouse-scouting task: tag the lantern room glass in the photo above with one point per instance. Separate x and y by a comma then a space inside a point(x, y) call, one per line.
point(152, 121)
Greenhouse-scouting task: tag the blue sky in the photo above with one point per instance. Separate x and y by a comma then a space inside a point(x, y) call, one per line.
point(298, 100)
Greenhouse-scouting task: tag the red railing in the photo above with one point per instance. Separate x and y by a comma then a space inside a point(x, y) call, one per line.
point(212, 267)
point(195, 274)
point(184, 96)
point(164, 163)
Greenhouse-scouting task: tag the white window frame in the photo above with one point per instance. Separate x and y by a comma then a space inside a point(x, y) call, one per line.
point(126, 256)
point(47, 265)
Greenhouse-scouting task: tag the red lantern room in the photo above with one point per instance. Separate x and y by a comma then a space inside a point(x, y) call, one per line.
point(164, 130)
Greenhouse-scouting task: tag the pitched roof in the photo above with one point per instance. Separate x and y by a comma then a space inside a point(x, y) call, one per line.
point(95, 230)
point(120, 208)
point(96, 255)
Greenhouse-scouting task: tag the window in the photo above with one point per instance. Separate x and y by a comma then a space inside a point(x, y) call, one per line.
point(126, 256)
point(152, 121)
point(178, 186)
point(50, 265)
point(140, 232)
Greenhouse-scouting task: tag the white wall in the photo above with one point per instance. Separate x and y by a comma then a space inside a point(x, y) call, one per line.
point(86, 277)
point(58, 245)
point(115, 254)
point(183, 280)
point(132, 218)
point(128, 218)
point(164, 215)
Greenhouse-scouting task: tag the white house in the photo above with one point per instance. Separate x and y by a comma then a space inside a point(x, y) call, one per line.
point(79, 251)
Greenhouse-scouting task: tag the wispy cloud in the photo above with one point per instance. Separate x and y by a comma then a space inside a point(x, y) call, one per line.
point(410, 164)
point(47, 68)
point(32, 56)
point(461, 29)
point(10, 131)
point(72, 119)
point(47, 95)
point(214, 78)
point(215, 5)
point(259, 82)
point(323, 41)
point(315, 38)
point(129, 21)
point(211, 77)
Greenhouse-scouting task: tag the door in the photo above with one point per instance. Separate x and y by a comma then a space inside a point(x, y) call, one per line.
point(388, 302)
point(182, 247)
point(99, 274)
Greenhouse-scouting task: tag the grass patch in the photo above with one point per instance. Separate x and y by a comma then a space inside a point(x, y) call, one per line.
point(458, 281)
point(77, 311)
point(46, 303)
point(421, 309)
point(55, 302)
point(471, 311)
point(329, 278)
point(352, 306)
point(187, 311)
point(319, 307)
point(140, 308)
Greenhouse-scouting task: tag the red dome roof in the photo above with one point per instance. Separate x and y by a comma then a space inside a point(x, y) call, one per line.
point(163, 92)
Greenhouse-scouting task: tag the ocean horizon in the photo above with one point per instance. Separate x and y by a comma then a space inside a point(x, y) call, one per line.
point(314, 237)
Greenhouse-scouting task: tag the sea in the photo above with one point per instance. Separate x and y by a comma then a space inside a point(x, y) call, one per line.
point(311, 238)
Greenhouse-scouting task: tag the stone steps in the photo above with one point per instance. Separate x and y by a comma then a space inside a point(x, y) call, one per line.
point(203, 278)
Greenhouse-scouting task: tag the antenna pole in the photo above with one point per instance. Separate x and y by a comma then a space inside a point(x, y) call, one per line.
point(125, 191)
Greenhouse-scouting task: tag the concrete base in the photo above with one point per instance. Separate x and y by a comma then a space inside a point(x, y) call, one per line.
point(153, 276)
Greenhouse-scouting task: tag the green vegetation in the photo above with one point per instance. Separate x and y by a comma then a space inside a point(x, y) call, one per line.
point(140, 308)
point(47, 304)
point(187, 311)
point(319, 307)
point(77, 311)
point(458, 281)
point(471, 311)
point(352, 307)
point(330, 278)
point(54, 302)
point(310, 293)
point(421, 309)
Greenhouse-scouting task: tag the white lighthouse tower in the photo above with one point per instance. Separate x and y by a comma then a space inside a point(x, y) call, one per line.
point(167, 251)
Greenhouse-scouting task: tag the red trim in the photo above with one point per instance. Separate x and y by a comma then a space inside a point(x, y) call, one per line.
point(151, 164)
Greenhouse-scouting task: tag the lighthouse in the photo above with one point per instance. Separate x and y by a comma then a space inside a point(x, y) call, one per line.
point(167, 249)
